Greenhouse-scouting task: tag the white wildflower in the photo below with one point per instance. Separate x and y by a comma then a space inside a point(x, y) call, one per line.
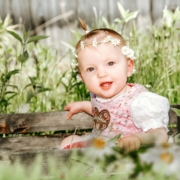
point(165, 156)
point(74, 63)
point(74, 53)
point(100, 146)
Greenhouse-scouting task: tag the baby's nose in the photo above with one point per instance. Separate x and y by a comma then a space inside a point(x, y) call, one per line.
point(101, 72)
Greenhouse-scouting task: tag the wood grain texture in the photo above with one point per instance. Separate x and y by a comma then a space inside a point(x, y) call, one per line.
point(36, 12)
point(27, 148)
point(43, 122)
point(55, 121)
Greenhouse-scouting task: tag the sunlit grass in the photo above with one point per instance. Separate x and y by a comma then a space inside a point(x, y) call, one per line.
point(46, 81)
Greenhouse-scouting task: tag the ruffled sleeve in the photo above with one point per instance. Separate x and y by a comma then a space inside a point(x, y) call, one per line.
point(150, 111)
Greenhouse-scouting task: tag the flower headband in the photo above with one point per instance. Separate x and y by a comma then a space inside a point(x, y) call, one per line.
point(128, 52)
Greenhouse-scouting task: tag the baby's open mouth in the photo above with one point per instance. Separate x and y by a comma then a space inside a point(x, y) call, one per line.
point(105, 85)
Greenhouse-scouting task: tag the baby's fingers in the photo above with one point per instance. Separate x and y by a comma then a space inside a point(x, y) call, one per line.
point(67, 108)
point(69, 115)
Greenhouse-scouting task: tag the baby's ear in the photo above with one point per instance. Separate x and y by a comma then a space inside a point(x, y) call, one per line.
point(130, 67)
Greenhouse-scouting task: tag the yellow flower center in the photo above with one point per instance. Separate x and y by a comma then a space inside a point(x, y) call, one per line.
point(167, 157)
point(165, 145)
point(99, 143)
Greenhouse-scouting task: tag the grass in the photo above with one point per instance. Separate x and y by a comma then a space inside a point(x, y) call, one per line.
point(36, 78)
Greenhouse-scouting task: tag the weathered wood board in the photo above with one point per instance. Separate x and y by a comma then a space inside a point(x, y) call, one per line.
point(43, 122)
point(27, 148)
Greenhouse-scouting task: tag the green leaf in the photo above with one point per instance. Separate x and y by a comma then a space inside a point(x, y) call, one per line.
point(13, 86)
point(122, 11)
point(14, 94)
point(117, 20)
point(115, 138)
point(23, 57)
point(10, 92)
point(25, 34)
point(106, 23)
point(7, 21)
point(131, 15)
point(33, 80)
point(4, 102)
point(42, 89)
point(28, 85)
point(15, 35)
point(177, 111)
point(6, 77)
point(36, 38)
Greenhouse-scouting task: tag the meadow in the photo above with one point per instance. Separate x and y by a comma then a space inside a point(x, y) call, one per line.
point(36, 78)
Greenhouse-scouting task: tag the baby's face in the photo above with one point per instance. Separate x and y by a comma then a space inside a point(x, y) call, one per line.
point(104, 69)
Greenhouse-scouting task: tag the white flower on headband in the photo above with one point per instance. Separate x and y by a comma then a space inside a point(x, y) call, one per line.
point(107, 39)
point(82, 45)
point(128, 52)
point(116, 42)
point(94, 42)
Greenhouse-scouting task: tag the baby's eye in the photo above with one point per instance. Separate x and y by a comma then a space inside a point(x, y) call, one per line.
point(111, 63)
point(90, 69)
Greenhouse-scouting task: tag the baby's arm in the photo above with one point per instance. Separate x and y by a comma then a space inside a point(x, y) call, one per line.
point(76, 107)
point(150, 113)
point(133, 142)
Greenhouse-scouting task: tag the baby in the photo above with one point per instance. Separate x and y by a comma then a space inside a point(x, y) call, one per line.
point(104, 64)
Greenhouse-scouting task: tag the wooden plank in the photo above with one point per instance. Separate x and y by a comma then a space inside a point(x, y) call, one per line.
point(54, 121)
point(41, 122)
point(27, 149)
point(34, 12)
point(27, 144)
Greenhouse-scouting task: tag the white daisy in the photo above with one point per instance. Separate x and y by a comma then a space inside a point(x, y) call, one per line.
point(115, 42)
point(125, 50)
point(128, 52)
point(100, 146)
point(165, 156)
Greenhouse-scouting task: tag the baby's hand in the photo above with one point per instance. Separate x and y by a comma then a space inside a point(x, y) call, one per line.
point(129, 143)
point(73, 108)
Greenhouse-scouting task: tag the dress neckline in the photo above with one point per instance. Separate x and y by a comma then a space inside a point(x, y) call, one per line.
point(102, 100)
